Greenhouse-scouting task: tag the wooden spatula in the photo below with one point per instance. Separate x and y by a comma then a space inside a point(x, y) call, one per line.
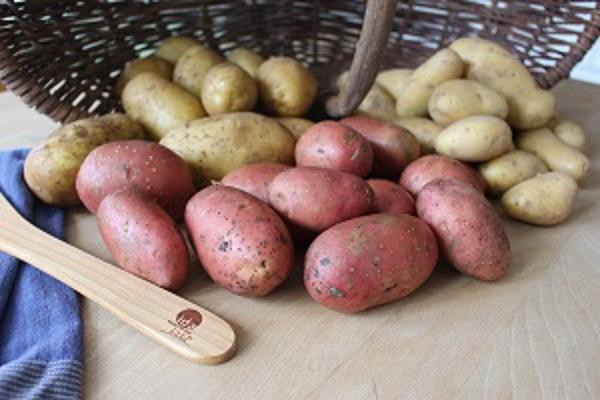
point(184, 327)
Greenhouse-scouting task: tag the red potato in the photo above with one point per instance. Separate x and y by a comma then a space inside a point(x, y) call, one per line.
point(143, 239)
point(317, 198)
point(391, 198)
point(469, 230)
point(394, 147)
point(330, 144)
point(146, 166)
point(240, 241)
point(254, 178)
point(429, 168)
point(370, 260)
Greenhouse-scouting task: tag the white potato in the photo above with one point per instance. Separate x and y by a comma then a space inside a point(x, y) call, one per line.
point(545, 199)
point(424, 129)
point(393, 80)
point(460, 98)
point(489, 63)
point(286, 87)
point(377, 102)
point(511, 168)
point(192, 66)
point(248, 60)
point(475, 139)
point(557, 155)
point(570, 132)
point(443, 66)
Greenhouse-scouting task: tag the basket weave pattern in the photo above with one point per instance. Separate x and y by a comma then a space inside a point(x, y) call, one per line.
point(64, 57)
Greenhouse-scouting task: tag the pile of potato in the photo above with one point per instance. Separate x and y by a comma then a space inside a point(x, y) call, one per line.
point(251, 179)
point(475, 102)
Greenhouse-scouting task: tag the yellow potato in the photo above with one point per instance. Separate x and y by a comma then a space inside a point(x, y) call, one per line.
point(149, 64)
point(557, 155)
point(570, 132)
point(286, 87)
point(52, 166)
point(460, 98)
point(228, 88)
point(443, 66)
point(219, 144)
point(489, 63)
point(296, 126)
point(475, 139)
point(159, 105)
point(393, 80)
point(377, 102)
point(424, 129)
point(248, 60)
point(511, 168)
point(192, 67)
point(545, 199)
point(172, 48)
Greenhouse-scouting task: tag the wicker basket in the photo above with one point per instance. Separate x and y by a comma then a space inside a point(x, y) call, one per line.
point(63, 57)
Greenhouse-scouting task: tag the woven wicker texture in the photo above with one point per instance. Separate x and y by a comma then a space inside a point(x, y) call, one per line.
point(63, 57)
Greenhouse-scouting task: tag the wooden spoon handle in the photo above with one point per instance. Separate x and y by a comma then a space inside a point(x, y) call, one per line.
point(184, 327)
point(377, 25)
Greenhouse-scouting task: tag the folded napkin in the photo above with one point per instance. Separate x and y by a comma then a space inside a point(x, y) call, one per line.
point(40, 323)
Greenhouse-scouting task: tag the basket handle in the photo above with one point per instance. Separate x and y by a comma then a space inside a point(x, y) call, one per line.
point(379, 15)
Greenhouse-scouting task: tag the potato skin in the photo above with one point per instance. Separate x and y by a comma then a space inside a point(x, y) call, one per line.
point(442, 66)
point(286, 87)
point(545, 199)
point(570, 132)
point(557, 155)
point(393, 80)
point(219, 144)
point(509, 169)
point(423, 129)
point(378, 103)
point(51, 167)
point(475, 139)
point(118, 127)
point(172, 48)
point(368, 261)
point(489, 63)
point(254, 178)
point(159, 105)
point(391, 198)
point(192, 66)
point(431, 167)
point(143, 239)
point(394, 147)
point(152, 169)
point(318, 198)
point(246, 59)
point(329, 144)
point(228, 88)
point(133, 68)
point(240, 241)
point(469, 231)
point(460, 98)
point(296, 126)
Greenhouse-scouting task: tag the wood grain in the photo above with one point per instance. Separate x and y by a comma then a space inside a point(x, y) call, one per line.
point(181, 326)
point(533, 335)
point(379, 15)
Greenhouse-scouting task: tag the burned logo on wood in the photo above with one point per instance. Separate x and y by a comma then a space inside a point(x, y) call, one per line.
point(185, 322)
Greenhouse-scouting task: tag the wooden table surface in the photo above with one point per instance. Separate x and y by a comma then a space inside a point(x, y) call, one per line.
point(533, 335)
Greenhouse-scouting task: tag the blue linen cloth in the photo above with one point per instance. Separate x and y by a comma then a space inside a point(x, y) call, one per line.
point(40, 322)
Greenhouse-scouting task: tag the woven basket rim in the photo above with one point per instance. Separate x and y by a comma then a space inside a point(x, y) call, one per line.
point(33, 92)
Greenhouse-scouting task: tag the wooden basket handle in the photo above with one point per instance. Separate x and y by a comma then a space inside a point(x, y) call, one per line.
point(376, 28)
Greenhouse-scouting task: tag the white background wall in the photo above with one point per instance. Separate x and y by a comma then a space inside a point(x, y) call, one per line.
point(589, 68)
